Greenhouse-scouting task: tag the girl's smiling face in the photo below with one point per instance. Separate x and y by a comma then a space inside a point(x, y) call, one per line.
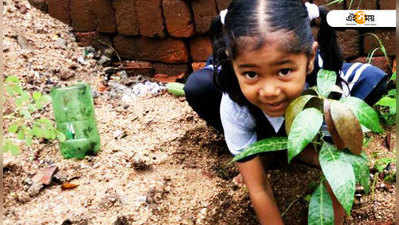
point(270, 78)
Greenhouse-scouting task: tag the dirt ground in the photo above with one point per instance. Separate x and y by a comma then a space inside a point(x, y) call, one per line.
point(168, 167)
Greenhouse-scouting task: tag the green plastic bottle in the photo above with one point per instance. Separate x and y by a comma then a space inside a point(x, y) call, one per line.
point(74, 115)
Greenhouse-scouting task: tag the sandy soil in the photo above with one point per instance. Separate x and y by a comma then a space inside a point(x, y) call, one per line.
point(169, 167)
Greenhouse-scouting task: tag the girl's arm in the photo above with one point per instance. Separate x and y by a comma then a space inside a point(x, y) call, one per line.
point(260, 192)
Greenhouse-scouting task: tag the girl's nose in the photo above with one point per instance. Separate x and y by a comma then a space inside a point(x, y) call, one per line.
point(269, 90)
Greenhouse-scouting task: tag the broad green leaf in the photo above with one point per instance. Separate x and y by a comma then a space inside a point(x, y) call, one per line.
point(339, 175)
point(393, 77)
point(304, 128)
point(13, 128)
point(32, 108)
point(13, 79)
point(293, 109)
point(14, 90)
point(321, 211)
point(366, 115)
point(347, 126)
point(392, 93)
point(388, 102)
point(26, 114)
point(381, 164)
point(10, 147)
point(45, 122)
point(265, 145)
point(60, 136)
point(36, 96)
point(28, 140)
point(21, 134)
point(325, 81)
point(360, 168)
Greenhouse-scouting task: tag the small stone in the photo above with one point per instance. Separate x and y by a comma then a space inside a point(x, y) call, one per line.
point(23, 197)
point(90, 49)
point(121, 220)
point(118, 134)
point(109, 52)
point(94, 93)
point(60, 42)
point(141, 199)
point(104, 60)
point(359, 189)
point(81, 60)
point(35, 189)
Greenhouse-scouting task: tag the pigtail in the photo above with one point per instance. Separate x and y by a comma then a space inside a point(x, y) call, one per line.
point(222, 78)
point(329, 48)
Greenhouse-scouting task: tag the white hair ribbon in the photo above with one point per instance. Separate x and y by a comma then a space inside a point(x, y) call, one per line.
point(313, 10)
point(222, 15)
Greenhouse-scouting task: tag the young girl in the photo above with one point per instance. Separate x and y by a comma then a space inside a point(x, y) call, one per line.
point(264, 56)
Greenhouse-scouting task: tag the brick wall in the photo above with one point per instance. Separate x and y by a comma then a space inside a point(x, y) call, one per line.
point(172, 34)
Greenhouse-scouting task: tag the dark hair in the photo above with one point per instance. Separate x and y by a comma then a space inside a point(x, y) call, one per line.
point(255, 19)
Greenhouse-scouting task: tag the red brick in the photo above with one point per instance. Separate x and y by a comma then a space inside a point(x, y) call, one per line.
point(167, 51)
point(200, 48)
point(388, 39)
point(170, 69)
point(330, 7)
point(126, 17)
point(197, 65)
point(149, 15)
point(105, 16)
point(39, 4)
point(222, 4)
point(86, 38)
point(178, 18)
point(349, 43)
point(204, 12)
point(379, 62)
point(82, 15)
point(387, 4)
point(138, 68)
point(59, 9)
point(91, 39)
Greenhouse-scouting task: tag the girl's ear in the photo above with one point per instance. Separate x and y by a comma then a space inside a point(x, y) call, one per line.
point(312, 57)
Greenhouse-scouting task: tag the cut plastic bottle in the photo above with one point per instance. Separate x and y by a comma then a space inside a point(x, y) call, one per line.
point(74, 115)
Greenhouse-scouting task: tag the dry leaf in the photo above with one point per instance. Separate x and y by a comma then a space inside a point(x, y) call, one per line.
point(348, 127)
point(330, 126)
point(67, 186)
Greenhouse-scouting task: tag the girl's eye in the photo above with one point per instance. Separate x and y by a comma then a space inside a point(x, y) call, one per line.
point(250, 75)
point(284, 72)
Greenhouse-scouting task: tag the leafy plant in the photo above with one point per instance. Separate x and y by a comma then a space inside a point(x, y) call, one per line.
point(23, 126)
point(343, 163)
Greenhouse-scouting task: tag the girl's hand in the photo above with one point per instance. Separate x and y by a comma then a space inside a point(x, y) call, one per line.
point(260, 192)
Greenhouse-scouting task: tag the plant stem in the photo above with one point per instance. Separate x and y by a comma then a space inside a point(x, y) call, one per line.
point(373, 186)
point(289, 206)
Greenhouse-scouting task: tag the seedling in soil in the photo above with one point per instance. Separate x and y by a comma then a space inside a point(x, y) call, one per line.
point(23, 124)
point(342, 162)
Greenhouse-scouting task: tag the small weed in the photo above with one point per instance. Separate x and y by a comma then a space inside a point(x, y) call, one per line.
point(23, 125)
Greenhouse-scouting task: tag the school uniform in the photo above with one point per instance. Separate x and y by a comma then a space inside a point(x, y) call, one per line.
point(244, 125)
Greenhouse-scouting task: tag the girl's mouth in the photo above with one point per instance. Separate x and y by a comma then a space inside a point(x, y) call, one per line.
point(276, 106)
